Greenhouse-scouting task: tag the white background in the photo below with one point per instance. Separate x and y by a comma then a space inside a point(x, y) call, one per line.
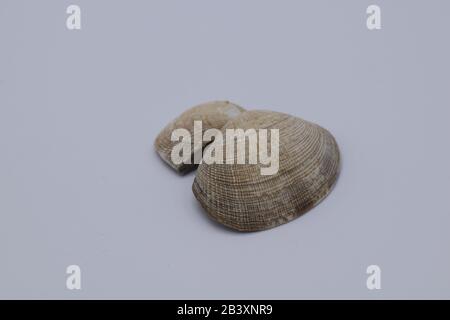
point(81, 184)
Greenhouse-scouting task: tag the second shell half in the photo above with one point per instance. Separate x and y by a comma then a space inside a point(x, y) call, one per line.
point(213, 115)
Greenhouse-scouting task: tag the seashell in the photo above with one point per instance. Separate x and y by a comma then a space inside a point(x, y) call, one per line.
point(214, 115)
point(240, 197)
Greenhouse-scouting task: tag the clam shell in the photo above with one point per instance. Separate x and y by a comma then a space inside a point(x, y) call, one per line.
point(214, 115)
point(239, 197)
